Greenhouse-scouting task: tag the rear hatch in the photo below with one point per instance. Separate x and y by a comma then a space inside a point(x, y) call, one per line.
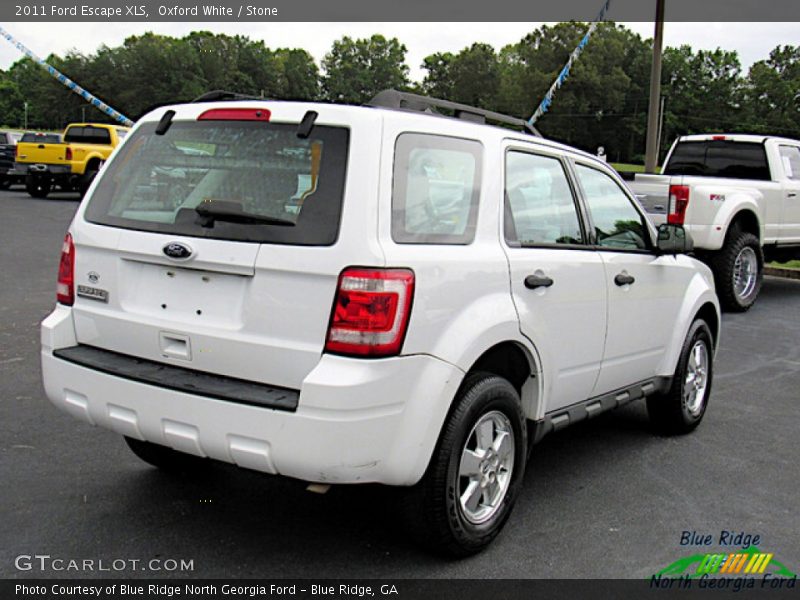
point(215, 245)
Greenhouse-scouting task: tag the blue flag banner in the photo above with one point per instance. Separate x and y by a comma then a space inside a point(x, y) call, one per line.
point(93, 100)
point(544, 106)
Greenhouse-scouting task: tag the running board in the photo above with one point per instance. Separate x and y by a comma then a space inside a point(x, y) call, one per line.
point(563, 417)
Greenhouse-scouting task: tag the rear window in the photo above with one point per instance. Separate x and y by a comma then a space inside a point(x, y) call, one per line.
point(234, 180)
point(87, 135)
point(719, 158)
point(41, 138)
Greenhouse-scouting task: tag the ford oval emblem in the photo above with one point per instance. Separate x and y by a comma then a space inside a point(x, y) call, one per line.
point(177, 250)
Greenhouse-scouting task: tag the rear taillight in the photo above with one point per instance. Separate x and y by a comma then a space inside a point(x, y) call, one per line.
point(371, 311)
point(65, 290)
point(68, 154)
point(678, 203)
point(16, 152)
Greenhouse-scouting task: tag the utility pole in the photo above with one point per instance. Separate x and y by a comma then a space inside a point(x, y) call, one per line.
point(25, 105)
point(651, 154)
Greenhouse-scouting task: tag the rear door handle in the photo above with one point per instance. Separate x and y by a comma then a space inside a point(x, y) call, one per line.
point(791, 195)
point(533, 282)
point(624, 279)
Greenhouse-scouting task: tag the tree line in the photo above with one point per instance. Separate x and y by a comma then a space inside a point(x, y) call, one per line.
point(604, 101)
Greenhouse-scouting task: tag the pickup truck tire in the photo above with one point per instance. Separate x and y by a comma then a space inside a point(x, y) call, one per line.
point(165, 458)
point(86, 181)
point(738, 271)
point(680, 410)
point(473, 479)
point(38, 187)
point(5, 183)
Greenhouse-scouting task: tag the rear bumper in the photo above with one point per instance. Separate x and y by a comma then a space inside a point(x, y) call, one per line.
point(43, 169)
point(357, 421)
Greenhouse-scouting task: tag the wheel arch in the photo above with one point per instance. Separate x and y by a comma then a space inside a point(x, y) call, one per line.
point(519, 365)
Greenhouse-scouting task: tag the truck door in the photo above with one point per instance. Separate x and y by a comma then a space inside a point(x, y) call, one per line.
point(790, 222)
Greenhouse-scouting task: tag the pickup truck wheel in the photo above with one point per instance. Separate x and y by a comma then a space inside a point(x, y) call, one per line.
point(37, 187)
point(5, 183)
point(472, 481)
point(681, 409)
point(86, 181)
point(738, 271)
point(165, 458)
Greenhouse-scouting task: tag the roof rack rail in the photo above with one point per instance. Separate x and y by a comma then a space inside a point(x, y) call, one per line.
point(407, 101)
point(216, 95)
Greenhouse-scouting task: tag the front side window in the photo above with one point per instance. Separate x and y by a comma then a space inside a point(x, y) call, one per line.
point(540, 207)
point(435, 189)
point(617, 224)
point(234, 180)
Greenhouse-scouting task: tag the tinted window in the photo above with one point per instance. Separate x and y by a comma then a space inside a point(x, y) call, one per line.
point(540, 205)
point(790, 157)
point(617, 224)
point(41, 138)
point(3, 138)
point(87, 135)
point(719, 158)
point(435, 189)
point(271, 185)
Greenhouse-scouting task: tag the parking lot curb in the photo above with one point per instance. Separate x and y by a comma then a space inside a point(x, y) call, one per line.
point(782, 272)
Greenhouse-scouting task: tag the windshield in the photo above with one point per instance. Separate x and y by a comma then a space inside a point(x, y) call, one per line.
point(201, 176)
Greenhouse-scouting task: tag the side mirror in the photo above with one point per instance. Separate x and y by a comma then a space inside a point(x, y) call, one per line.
point(673, 239)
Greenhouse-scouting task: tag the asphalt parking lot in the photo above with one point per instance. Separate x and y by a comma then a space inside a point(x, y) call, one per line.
point(604, 499)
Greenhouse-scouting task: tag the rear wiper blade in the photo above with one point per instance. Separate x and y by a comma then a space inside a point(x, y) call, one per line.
point(224, 210)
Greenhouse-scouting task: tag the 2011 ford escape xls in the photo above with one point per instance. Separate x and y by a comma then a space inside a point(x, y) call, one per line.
point(347, 294)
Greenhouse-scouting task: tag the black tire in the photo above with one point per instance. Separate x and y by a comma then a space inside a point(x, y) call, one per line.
point(724, 264)
point(676, 412)
point(38, 187)
point(165, 458)
point(5, 183)
point(432, 511)
point(86, 181)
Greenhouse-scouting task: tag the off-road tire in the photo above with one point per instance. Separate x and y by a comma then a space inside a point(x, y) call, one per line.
point(723, 263)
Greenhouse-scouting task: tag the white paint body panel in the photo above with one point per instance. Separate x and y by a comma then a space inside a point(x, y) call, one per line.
point(265, 311)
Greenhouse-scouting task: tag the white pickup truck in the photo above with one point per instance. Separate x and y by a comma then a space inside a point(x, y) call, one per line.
point(738, 197)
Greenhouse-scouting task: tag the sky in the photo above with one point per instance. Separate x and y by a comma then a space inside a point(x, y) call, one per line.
point(753, 41)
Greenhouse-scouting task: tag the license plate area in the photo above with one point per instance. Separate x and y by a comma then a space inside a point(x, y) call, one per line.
point(182, 295)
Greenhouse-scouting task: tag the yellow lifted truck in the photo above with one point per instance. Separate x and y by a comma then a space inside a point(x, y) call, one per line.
point(70, 165)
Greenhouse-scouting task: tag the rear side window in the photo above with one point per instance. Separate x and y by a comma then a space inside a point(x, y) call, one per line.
point(435, 189)
point(719, 158)
point(3, 138)
point(233, 180)
point(790, 157)
point(87, 135)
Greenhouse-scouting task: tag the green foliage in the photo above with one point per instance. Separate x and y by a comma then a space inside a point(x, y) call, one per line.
point(603, 103)
point(356, 70)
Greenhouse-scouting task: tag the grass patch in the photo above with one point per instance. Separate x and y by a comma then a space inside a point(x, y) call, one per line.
point(792, 264)
point(627, 168)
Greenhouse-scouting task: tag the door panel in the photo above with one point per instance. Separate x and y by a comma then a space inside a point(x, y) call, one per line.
point(565, 321)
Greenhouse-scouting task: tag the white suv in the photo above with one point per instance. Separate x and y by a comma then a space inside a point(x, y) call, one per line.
point(346, 294)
